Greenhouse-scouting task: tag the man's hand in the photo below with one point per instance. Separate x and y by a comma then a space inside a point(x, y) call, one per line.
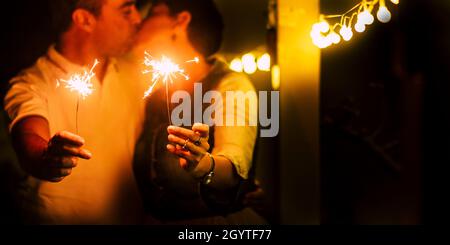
point(61, 156)
point(43, 157)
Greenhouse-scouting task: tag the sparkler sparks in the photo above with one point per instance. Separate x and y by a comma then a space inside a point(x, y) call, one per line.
point(80, 83)
point(164, 70)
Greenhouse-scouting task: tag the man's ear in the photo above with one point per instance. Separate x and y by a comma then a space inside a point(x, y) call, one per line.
point(84, 20)
point(183, 20)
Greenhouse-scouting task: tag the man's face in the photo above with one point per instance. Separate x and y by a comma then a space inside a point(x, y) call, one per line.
point(116, 26)
point(157, 32)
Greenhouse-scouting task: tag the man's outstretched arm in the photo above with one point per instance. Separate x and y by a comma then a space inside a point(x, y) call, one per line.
point(45, 157)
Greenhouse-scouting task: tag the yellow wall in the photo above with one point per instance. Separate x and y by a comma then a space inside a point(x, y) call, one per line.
point(299, 62)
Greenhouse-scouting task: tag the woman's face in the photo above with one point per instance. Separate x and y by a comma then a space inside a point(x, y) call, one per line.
point(157, 32)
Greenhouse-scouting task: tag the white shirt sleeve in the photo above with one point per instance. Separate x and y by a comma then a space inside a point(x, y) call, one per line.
point(27, 96)
point(236, 143)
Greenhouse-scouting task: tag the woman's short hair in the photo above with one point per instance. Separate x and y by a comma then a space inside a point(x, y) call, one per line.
point(206, 27)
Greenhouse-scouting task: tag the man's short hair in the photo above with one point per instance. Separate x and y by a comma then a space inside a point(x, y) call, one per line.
point(206, 27)
point(62, 11)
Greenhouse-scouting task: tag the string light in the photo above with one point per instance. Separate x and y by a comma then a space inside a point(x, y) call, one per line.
point(360, 27)
point(346, 32)
point(383, 14)
point(335, 38)
point(276, 77)
point(365, 17)
point(324, 34)
point(236, 65)
point(249, 62)
point(264, 62)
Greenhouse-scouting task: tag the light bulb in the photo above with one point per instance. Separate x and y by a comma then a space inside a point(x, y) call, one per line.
point(314, 33)
point(335, 38)
point(276, 77)
point(394, 1)
point(264, 62)
point(248, 58)
point(322, 26)
point(346, 33)
point(365, 17)
point(236, 65)
point(329, 40)
point(322, 41)
point(249, 64)
point(316, 27)
point(383, 14)
point(316, 42)
point(360, 27)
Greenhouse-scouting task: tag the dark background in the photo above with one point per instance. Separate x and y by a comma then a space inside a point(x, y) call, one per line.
point(385, 108)
point(385, 117)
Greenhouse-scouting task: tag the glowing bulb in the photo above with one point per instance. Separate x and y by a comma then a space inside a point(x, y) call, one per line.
point(335, 38)
point(276, 77)
point(365, 17)
point(248, 58)
point(328, 40)
point(317, 42)
point(314, 33)
point(316, 28)
point(236, 65)
point(360, 27)
point(249, 63)
point(383, 14)
point(346, 33)
point(322, 26)
point(250, 68)
point(264, 62)
point(322, 41)
point(394, 1)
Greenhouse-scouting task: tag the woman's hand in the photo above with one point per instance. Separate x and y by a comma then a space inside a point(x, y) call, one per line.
point(190, 145)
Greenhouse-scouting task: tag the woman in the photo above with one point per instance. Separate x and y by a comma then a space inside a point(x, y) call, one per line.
point(180, 181)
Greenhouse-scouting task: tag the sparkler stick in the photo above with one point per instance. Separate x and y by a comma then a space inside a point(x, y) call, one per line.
point(80, 83)
point(163, 70)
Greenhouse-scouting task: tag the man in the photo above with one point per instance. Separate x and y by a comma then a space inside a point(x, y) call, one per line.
point(63, 187)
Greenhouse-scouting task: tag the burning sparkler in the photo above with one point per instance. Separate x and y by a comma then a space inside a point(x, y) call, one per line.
point(163, 70)
point(80, 83)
